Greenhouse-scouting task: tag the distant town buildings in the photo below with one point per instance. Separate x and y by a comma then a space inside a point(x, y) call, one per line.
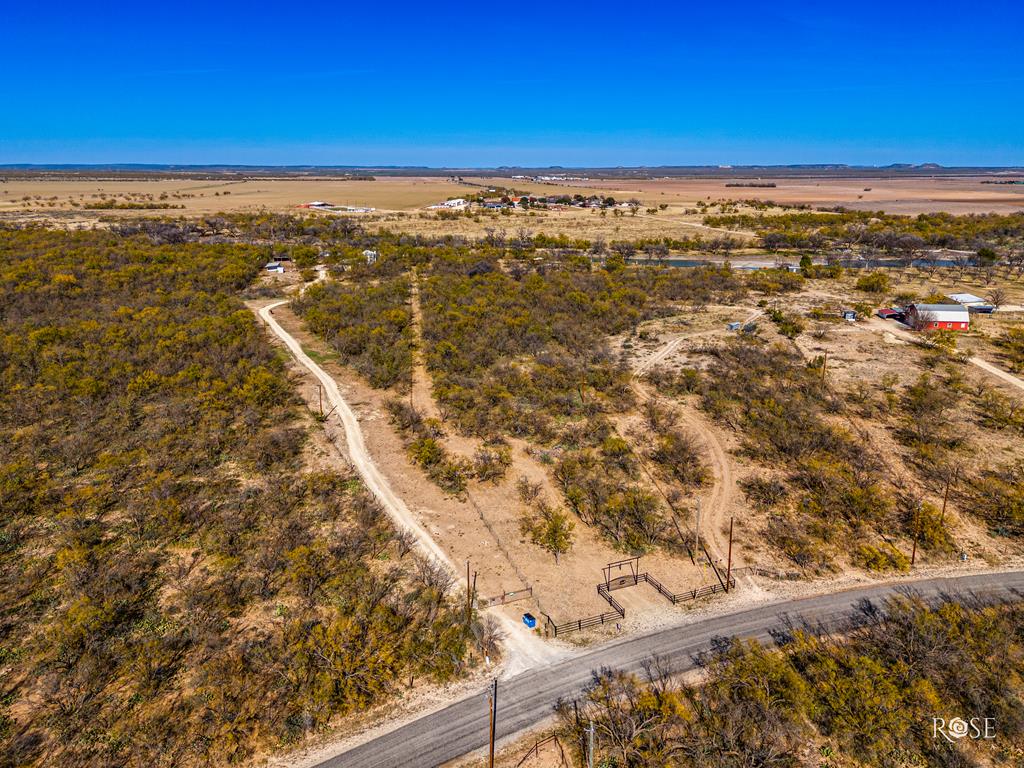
point(533, 201)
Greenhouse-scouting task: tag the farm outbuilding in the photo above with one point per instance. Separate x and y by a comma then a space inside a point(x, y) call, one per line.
point(967, 299)
point(926, 317)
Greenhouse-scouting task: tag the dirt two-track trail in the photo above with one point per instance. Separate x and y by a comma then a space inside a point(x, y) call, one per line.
point(524, 650)
point(715, 501)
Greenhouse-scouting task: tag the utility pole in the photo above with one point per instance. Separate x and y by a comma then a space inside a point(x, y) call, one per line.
point(824, 366)
point(469, 596)
point(917, 526)
point(728, 569)
point(696, 532)
point(945, 496)
point(590, 746)
point(320, 393)
point(494, 717)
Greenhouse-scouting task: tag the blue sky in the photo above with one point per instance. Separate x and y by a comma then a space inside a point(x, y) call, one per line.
point(513, 83)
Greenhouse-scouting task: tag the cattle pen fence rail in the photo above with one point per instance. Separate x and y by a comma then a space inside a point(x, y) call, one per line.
point(534, 751)
point(506, 597)
point(604, 589)
point(609, 585)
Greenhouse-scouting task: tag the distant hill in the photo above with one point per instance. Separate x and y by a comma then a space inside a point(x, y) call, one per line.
point(640, 172)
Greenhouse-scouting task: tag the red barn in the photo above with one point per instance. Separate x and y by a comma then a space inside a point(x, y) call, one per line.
point(927, 317)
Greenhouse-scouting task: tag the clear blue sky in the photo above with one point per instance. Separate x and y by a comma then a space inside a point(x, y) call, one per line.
point(513, 83)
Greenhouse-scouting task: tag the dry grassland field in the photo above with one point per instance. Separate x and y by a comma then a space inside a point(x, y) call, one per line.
point(893, 195)
point(204, 196)
point(401, 203)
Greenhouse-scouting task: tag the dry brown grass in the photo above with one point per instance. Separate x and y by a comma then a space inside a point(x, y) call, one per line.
point(211, 196)
point(894, 195)
point(401, 202)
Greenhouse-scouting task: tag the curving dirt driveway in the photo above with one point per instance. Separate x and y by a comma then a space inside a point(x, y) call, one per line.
point(359, 456)
point(717, 501)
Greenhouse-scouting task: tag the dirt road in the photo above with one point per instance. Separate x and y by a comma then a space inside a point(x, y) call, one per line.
point(523, 649)
point(422, 394)
point(899, 332)
point(360, 458)
point(999, 372)
point(716, 502)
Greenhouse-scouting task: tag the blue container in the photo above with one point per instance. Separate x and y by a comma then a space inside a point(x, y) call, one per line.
point(529, 620)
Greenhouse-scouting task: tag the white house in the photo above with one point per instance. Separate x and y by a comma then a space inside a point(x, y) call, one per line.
point(456, 203)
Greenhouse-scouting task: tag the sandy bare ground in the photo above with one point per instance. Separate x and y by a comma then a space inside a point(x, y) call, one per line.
point(910, 195)
point(422, 392)
point(401, 204)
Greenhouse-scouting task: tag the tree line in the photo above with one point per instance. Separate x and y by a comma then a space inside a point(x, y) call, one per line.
point(867, 695)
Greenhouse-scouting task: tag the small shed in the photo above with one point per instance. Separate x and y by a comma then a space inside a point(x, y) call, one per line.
point(849, 315)
point(734, 326)
point(274, 266)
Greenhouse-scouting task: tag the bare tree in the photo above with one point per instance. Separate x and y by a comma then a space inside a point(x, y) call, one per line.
point(488, 635)
point(919, 321)
point(996, 297)
point(404, 542)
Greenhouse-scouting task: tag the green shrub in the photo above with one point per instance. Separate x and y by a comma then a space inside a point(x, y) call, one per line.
point(549, 528)
point(880, 559)
point(873, 282)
